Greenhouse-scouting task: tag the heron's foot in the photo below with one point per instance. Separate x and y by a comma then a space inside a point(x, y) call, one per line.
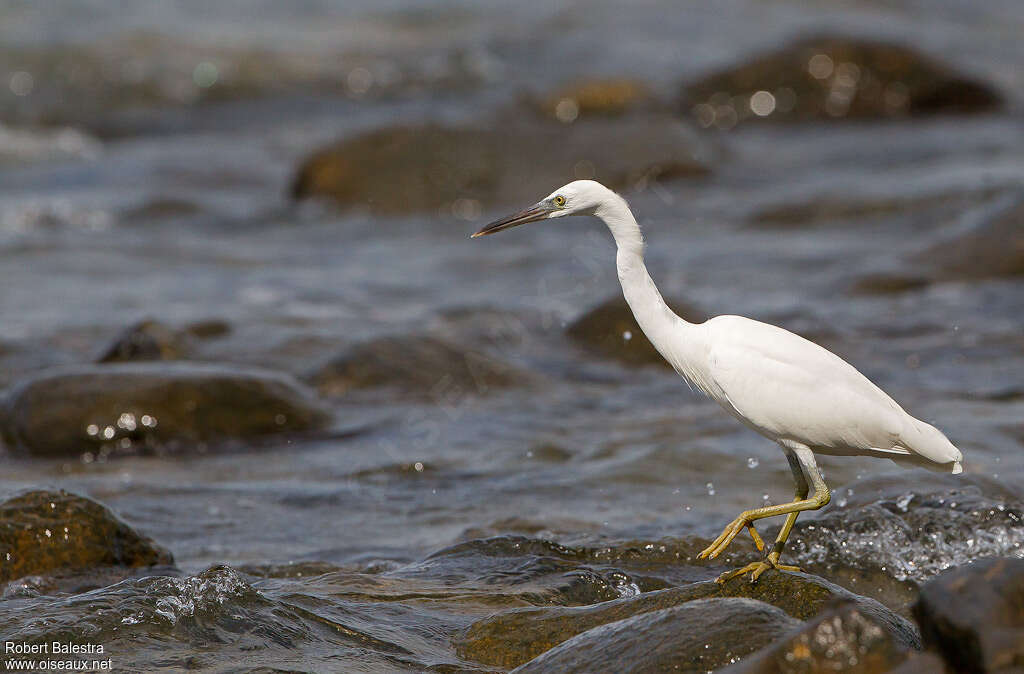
point(725, 538)
point(755, 569)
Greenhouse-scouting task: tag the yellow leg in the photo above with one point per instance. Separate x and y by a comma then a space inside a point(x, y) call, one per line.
point(802, 464)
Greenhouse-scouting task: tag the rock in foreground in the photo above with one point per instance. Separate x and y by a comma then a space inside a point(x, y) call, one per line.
point(511, 638)
point(698, 636)
point(459, 171)
point(834, 77)
point(974, 615)
point(611, 330)
point(46, 531)
point(842, 639)
point(151, 406)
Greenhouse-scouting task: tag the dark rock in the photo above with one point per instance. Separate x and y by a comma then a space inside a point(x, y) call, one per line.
point(888, 539)
point(842, 639)
point(163, 208)
point(148, 340)
point(514, 637)
point(698, 636)
point(611, 330)
point(835, 77)
point(974, 615)
point(417, 366)
point(151, 406)
point(585, 98)
point(463, 170)
point(46, 531)
point(992, 248)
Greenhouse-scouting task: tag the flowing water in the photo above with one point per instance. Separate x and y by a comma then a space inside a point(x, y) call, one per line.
point(367, 547)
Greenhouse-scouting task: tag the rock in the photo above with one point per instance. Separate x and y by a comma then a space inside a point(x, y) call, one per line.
point(210, 328)
point(842, 639)
point(46, 531)
point(460, 171)
point(992, 248)
point(888, 539)
point(974, 615)
point(611, 330)
point(835, 77)
point(699, 636)
point(147, 340)
point(418, 366)
point(126, 407)
point(888, 284)
point(608, 97)
point(511, 638)
point(161, 208)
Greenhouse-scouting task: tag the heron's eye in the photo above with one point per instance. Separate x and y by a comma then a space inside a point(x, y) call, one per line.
point(559, 200)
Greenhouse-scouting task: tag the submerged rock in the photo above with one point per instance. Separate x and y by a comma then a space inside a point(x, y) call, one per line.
point(611, 330)
point(992, 248)
point(146, 340)
point(46, 531)
point(511, 638)
point(835, 77)
point(974, 615)
point(842, 639)
point(698, 636)
point(460, 171)
point(102, 409)
point(418, 366)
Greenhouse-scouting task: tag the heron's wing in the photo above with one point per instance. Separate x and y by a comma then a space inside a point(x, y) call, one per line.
point(787, 387)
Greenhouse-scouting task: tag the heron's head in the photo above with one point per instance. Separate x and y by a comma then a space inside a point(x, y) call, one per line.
point(580, 197)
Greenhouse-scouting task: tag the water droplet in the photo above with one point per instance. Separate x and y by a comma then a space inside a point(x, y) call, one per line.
point(418, 466)
point(903, 501)
point(711, 488)
point(627, 335)
point(752, 462)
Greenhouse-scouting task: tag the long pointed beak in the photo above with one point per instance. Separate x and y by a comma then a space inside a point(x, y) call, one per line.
point(538, 211)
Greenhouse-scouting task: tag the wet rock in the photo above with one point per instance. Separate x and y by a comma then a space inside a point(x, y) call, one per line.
point(611, 330)
point(417, 366)
point(888, 539)
point(585, 98)
point(698, 636)
point(460, 171)
point(974, 615)
point(103, 409)
point(46, 531)
point(514, 637)
point(992, 248)
point(842, 639)
point(835, 77)
point(147, 340)
point(161, 208)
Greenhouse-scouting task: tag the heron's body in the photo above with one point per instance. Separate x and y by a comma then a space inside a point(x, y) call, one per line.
point(781, 385)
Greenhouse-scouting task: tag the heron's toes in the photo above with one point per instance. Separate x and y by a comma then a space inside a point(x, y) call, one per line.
point(755, 569)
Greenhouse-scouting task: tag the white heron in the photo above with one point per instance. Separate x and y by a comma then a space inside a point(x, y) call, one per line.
point(781, 385)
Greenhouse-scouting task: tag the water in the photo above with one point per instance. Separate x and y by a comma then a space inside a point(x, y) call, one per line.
point(338, 553)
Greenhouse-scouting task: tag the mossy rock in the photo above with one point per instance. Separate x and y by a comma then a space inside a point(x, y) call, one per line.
point(835, 77)
point(47, 531)
point(698, 636)
point(594, 97)
point(511, 638)
point(124, 407)
point(610, 330)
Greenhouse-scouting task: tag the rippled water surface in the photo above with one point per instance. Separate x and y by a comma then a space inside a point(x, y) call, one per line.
point(368, 546)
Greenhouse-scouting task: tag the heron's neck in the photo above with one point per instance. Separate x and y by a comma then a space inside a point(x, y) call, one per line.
point(676, 339)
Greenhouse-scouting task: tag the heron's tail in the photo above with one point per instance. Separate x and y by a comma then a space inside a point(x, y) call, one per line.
point(928, 442)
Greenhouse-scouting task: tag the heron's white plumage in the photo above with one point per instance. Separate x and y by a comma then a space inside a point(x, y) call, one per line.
point(785, 387)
